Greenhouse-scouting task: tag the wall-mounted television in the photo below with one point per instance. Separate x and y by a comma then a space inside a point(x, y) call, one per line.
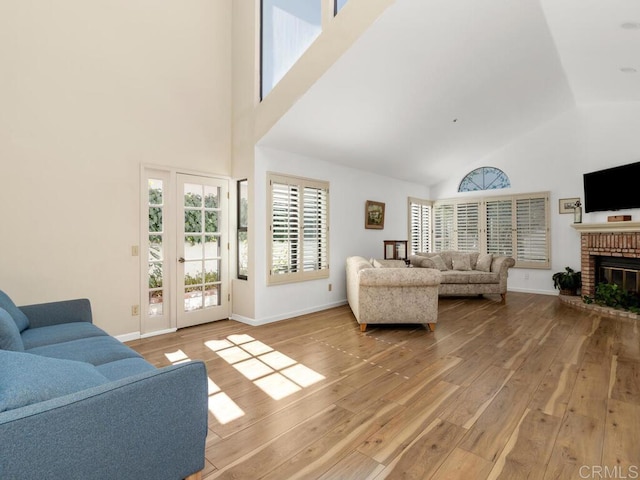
point(616, 188)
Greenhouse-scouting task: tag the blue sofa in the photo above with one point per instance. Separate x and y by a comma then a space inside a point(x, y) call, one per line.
point(75, 403)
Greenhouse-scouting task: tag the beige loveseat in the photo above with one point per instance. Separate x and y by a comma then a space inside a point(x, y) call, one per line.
point(392, 295)
point(468, 273)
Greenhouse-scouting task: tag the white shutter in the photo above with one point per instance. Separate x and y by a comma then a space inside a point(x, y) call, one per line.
point(499, 227)
point(299, 229)
point(285, 228)
point(443, 232)
point(467, 227)
point(532, 238)
point(315, 229)
point(419, 226)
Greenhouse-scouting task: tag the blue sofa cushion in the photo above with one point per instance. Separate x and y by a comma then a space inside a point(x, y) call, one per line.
point(22, 322)
point(126, 367)
point(27, 379)
point(9, 334)
point(64, 332)
point(93, 350)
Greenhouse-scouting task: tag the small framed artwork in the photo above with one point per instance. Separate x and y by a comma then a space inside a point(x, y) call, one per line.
point(374, 215)
point(567, 204)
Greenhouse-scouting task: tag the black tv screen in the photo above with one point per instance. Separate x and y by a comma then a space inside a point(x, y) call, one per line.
point(616, 188)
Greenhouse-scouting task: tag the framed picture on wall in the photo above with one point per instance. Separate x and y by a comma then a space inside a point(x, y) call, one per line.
point(567, 204)
point(374, 215)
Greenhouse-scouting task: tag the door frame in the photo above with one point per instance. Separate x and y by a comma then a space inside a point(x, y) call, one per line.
point(167, 323)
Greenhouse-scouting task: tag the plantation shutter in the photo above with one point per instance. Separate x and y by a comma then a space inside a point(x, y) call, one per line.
point(285, 228)
point(443, 232)
point(419, 226)
point(499, 226)
point(467, 227)
point(532, 233)
point(315, 248)
point(299, 229)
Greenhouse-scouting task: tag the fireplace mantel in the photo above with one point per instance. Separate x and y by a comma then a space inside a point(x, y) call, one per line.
point(609, 227)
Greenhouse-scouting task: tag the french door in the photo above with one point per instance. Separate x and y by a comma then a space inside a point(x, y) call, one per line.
point(202, 250)
point(185, 237)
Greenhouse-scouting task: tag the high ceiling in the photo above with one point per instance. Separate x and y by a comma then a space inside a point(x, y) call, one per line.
point(439, 84)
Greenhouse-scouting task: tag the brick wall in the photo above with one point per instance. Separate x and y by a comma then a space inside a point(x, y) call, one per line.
point(611, 244)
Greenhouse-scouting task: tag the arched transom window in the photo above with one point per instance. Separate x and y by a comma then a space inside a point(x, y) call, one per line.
point(484, 178)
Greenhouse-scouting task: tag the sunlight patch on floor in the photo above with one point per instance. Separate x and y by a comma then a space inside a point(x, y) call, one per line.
point(223, 408)
point(220, 404)
point(271, 371)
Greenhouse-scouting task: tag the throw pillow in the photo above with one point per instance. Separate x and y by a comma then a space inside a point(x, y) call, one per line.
point(18, 316)
point(26, 378)
point(484, 262)
point(439, 263)
point(461, 261)
point(428, 263)
point(10, 338)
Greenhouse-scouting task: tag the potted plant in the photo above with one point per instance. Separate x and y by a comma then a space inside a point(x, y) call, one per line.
point(568, 282)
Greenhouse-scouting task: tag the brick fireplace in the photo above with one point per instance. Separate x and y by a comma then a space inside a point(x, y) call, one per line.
point(612, 248)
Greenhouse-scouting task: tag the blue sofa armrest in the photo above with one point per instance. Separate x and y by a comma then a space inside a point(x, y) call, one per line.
point(148, 426)
point(54, 313)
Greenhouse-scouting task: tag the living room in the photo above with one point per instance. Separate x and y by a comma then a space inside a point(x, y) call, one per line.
point(95, 95)
point(77, 102)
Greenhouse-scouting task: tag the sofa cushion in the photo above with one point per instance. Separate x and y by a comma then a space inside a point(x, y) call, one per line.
point(64, 332)
point(471, 277)
point(379, 263)
point(27, 378)
point(484, 262)
point(93, 350)
point(438, 262)
point(461, 261)
point(124, 368)
point(10, 338)
point(22, 322)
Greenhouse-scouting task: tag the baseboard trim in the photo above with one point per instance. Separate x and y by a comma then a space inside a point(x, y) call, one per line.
point(285, 316)
point(128, 337)
point(529, 290)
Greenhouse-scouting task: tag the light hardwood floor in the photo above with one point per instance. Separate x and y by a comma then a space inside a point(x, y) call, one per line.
point(528, 389)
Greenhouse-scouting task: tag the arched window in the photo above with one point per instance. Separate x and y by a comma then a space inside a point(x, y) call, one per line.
point(484, 178)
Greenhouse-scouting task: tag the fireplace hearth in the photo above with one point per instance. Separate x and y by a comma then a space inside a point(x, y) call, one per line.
point(611, 253)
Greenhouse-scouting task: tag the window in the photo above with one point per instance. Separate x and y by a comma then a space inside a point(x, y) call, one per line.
point(419, 225)
point(484, 178)
point(515, 225)
point(156, 246)
point(298, 229)
point(288, 27)
point(242, 240)
point(338, 4)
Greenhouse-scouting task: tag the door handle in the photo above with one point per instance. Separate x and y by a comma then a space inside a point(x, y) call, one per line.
point(181, 259)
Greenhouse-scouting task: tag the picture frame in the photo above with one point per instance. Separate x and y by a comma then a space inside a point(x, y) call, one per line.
point(374, 215)
point(566, 205)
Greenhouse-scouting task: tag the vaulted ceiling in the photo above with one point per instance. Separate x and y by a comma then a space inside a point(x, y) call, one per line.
point(439, 84)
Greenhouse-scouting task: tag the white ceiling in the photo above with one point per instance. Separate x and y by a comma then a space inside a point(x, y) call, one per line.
point(439, 84)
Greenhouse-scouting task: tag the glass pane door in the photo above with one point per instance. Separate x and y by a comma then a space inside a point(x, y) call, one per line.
point(203, 294)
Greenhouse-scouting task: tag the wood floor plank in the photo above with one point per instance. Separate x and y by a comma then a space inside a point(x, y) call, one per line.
point(622, 437)
point(579, 443)
point(424, 455)
point(626, 383)
point(463, 464)
point(399, 431)
point(528, 450)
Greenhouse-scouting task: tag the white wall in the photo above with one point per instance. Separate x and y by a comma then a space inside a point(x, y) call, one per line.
point(349, 190)
point(553, 158)
point(88, 92)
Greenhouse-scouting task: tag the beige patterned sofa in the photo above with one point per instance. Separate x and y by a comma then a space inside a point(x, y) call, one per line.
point(468, 273)
point(392, 295)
